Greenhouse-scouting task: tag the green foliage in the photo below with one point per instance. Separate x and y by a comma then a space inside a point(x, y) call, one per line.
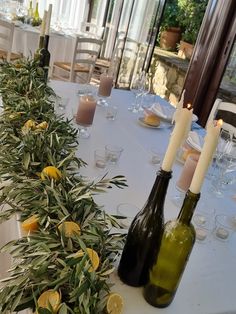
point(170, 16)
point(186, 14)
point(44, 259)
point(191, 13)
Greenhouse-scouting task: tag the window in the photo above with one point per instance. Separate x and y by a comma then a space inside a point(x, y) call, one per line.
point(65, 13)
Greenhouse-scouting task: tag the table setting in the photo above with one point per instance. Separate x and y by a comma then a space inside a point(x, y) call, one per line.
point(122, 148)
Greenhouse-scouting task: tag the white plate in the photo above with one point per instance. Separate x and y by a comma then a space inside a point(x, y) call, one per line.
point(167, 113)
point(194, 118)
point(141, 121)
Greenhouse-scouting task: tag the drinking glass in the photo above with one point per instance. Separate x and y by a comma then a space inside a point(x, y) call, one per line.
point(104, 89)
point(85, 114)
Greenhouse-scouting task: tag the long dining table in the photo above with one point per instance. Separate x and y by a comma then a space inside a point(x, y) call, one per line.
point(208, 283)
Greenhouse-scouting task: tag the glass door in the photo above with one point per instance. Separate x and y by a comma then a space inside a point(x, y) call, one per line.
point(136, 37)
point(131, 28)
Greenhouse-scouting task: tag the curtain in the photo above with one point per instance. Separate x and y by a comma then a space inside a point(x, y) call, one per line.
point(66, 14)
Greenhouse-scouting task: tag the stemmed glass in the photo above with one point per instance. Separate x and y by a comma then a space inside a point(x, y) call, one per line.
point(137, 90)
point(224, 138)
point(225, 163)
point(145, 88)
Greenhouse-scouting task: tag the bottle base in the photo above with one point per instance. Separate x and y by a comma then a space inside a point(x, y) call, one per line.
point(157, 296)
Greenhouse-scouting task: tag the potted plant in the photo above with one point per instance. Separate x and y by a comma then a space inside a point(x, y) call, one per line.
point(190, 17)
point(170, 29)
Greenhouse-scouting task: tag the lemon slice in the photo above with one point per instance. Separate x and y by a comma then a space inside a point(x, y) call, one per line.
point(115, 304)
point(30, 224)
point(43, 125)
point(51, 172)
point(30, 124)
point(69, 228)
point(94, 258)
point(50, 299)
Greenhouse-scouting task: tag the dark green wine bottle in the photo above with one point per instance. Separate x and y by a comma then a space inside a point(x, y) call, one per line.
point(44, 57)
point(176, 245)
point(144, 234)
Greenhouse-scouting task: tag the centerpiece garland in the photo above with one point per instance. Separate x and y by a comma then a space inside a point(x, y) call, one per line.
point(68, 250)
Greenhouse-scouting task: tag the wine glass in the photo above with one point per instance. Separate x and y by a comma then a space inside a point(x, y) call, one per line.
point(136, 89)
point(104, 89)
point(145, 88)
point(223, 140)
point(85, 114)
point(225, 163)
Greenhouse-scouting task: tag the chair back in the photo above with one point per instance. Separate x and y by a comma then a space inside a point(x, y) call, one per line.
point(92, 30)
point(226, 111)
point(6, 37)
point(85, 56)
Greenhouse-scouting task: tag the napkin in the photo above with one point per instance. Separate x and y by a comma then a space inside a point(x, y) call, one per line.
point(161, 112)
point(195, 140)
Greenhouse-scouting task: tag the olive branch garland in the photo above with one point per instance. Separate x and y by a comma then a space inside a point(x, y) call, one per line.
point(45, 259)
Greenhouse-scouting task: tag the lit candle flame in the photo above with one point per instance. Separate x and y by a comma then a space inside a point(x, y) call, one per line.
point(189, 106)
point(220, 122)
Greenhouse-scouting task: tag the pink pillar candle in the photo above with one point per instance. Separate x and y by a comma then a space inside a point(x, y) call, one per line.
point(105, 87)
point(86, 110)
point(187, 173)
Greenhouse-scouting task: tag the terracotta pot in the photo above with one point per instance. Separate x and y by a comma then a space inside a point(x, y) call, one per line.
point(169, 38)
point(185, 50)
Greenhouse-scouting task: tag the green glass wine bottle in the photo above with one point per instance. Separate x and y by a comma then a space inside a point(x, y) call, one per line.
point(44, 57)
point(176, 245)
point(30, 13)
point(144, 234)
point(36, 18)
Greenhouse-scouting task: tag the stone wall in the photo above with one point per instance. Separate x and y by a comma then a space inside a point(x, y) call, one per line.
point(168, 75)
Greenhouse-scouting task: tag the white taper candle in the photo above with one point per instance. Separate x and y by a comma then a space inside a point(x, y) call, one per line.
point(210, 143)
point(43, 25)
point(181, 129)
point(48, 20)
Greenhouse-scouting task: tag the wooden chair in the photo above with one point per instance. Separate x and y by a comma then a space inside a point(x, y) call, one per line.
point(6, 40)
point(226, 111)
point(102, 64)
point(81, 67)
point(92, 30)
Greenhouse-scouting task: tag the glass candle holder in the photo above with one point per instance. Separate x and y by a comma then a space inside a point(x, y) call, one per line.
point(105, 88)
point(85, 114)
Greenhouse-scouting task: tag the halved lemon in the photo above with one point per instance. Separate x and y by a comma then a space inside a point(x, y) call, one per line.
point(30, 224)
point(94, 258)
point(50, 299)
point(115, 304)
point(70, 228)
point(51, 172)
point(43, 125)
point(30, 124)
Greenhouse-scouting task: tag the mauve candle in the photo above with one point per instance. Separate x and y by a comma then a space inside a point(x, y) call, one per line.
point(86, 110)
point(105, 86)
point(187, 173)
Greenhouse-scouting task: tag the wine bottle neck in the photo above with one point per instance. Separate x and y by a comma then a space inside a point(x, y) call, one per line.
point(188, 207)
point(41, 42)
point(160, 187)
point(46, 40)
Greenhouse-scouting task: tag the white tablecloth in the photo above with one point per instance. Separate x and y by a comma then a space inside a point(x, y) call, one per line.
point(26, 40)
point(208, 283)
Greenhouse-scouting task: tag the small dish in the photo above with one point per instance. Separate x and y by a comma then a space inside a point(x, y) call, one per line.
point(143, 123)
